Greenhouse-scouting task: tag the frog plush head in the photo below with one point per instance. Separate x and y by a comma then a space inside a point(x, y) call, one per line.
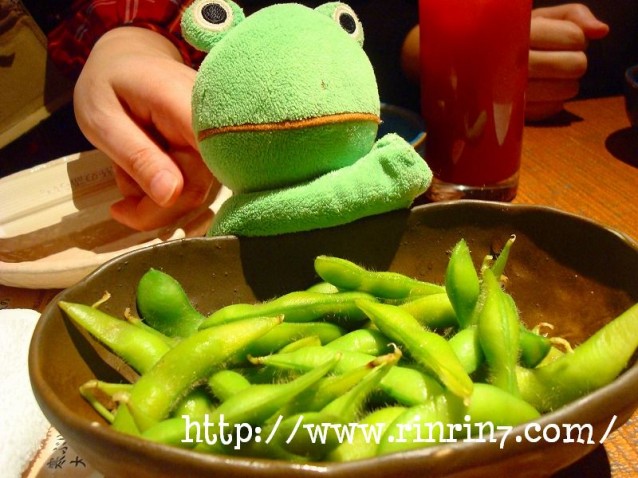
point(286, 111)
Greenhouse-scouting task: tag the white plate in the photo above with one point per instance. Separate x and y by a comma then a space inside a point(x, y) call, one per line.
point(55, 225)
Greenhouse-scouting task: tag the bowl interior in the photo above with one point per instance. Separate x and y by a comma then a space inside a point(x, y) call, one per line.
point(564, 270)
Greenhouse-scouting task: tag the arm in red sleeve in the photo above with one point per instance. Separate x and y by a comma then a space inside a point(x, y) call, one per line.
point(71, 42)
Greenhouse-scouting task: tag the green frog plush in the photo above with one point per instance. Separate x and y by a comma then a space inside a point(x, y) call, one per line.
point(286, 111)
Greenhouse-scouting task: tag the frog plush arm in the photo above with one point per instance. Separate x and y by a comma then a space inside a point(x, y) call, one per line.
point(286, 110)
point(387, 178)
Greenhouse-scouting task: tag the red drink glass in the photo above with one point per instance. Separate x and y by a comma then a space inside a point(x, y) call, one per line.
point(474, 62)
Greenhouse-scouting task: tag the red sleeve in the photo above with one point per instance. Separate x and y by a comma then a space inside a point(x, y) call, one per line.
point(71, 41)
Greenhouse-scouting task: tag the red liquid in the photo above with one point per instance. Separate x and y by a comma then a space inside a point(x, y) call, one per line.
point(474, 60)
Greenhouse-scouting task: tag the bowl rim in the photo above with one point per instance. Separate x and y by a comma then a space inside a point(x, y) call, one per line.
point(621, 390)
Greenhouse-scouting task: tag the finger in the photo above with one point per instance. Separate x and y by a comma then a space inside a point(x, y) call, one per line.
point(557, 64)
point(141, 213)
point(198, 179)
point(142, 159)
point(169, 112)
point(125, 183)
point(552, 34)
point(578, 14)
point(551, 90)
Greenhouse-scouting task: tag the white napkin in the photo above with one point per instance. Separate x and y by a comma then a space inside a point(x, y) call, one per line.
point(22, 424)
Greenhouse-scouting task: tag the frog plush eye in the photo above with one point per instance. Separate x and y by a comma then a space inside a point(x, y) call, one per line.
point(345, 17)
point(206, 22)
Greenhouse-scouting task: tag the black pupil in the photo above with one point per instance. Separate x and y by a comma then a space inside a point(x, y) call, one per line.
point(214, 13)
point(347, 23)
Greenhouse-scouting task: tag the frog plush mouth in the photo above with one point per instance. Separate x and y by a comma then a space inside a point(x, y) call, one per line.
point(286, 109)
point(290, 124)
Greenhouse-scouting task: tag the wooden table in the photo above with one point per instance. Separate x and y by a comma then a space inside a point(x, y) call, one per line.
point(585, 162)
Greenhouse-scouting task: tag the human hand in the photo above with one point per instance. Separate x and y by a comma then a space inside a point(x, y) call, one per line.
point(132, 101)
point(557, 58)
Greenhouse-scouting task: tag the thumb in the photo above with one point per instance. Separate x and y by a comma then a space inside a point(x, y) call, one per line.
point(133, 149)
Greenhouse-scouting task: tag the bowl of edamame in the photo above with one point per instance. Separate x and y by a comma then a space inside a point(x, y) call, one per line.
point(459, 339)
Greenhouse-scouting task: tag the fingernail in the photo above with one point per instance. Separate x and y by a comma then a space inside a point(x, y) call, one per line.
point(163, 187)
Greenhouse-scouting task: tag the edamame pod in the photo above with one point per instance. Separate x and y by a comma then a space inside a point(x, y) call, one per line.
point(433, 311)
point(103, 396)
point(347, 275)
point(340, 412)
point(310, 341)
point(299, 306)
point(226, 383)
point(498, 268)
point(254, 405)
point(462, 283)
point(193, 359)
point(137, 347)
point(465, 344)
point(499, 334)
point(593, 364)
point(366, 438)
point(286, 333)
point(367, 341)
point(164, 305)
point(429, 349)
point(406, 385)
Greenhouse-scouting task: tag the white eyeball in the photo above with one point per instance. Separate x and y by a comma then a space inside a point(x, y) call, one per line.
point(348, 20)
point(213, 15)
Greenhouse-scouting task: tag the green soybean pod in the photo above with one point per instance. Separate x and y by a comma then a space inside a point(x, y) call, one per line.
point(254, 405)
point(326, 390)
point(102, 396)
point(366, 438)
point(348, 405)
point(367, 341)
point(192, 360)
point(287, 332)
point(467, 348)
point(420, 426)
point(462, 283)
point(534, 348)
point(347, 275)
point(123, 420)
point(593, 364)
point(164, 305)
point(171, 431)
point(341, 411)
point(226, 383)
point(429, 349)
point(310, 341)
point(297, 446)
point(298, 306)
point(139, 348)
point(494, 406)
point(499, 334)
point(498, 268)
point(323, 287)
point(433, 311)
point(407, 386)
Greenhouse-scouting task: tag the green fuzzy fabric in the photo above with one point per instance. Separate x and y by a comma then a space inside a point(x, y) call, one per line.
point(294, 156)
point(388, 178)
point(286, 110)
point(284, 63)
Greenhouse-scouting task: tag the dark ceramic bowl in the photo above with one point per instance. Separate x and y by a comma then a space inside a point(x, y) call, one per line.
point(631, 94)
point(563, 269)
